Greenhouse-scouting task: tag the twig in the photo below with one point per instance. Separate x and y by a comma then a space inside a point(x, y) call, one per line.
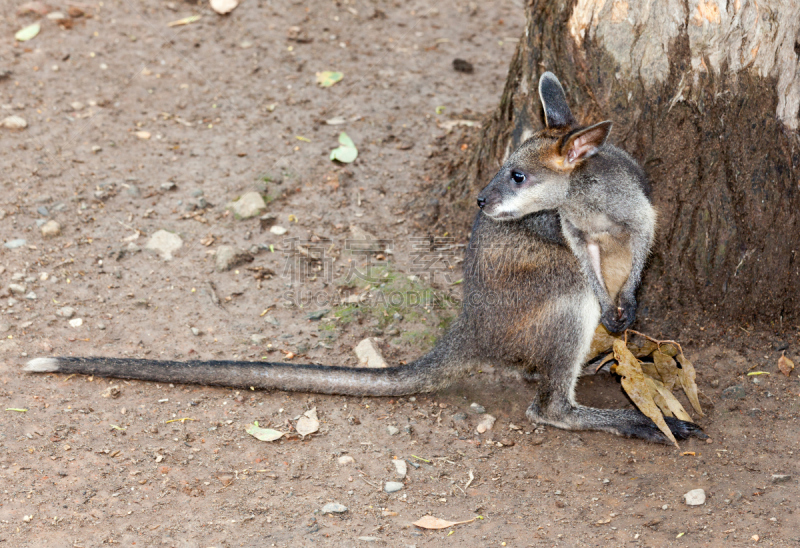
point(651, 339)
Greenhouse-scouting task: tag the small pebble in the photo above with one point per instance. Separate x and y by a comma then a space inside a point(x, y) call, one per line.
point(393, 430)
point(278, 230)
point(461, 65)
point(695, 497)
point(477, 408)
point(66, 312)
point(781, 478)
point(270, 319)
point(334, 508)
point(486, 424)
point(346, 459)
point(14, 122)
point(229, 257)
point(17, 289)
point(14, 244)
point(735, 392)
point(250, 204)
point(392, 486)
point(31, 296)
point(400, 467)
point(164, 243)
point(76, 322)
point(51, 229)
point(195, 331)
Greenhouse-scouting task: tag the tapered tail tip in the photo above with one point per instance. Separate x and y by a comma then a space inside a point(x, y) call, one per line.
point(42, 365)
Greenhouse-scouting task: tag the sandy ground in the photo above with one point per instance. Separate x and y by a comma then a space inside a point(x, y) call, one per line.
point(134, 127)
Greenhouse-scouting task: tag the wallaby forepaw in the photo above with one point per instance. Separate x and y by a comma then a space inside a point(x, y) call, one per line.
point(610, 319)
point(619, 318)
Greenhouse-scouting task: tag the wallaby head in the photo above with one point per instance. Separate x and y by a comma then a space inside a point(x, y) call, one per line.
point(536, 176)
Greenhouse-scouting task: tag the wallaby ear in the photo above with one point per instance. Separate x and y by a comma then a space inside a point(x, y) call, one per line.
point(556, 111)
point(585, 143)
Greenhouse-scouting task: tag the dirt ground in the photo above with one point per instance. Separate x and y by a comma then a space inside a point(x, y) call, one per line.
point(135, 126)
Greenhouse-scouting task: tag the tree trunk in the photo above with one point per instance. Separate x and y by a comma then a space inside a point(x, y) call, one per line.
point(706, 97)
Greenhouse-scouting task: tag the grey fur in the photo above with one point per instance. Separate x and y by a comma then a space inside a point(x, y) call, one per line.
point(528, 304)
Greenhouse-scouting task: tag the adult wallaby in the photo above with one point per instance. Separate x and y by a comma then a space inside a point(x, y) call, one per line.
point(562, 237)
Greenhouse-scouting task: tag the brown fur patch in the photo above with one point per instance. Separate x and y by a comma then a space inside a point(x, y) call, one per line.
point(615, 263)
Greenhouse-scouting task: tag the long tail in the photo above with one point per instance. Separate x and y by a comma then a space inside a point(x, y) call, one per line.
point(431, 372)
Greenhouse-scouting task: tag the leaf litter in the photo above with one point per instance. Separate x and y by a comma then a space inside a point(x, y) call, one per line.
point(28, 33)
point(308, 423)
point(346, 152)
point(650, 384)
point(263, 434)
point(430, 522)
point(327, 78)
point(785, 365)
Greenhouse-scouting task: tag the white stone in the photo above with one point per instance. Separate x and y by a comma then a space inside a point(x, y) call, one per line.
point(250, 204)
point(400, 467)
point(346, 459)
point(164, 243)
point(369, 355)
point(487, 421)
point(51, 229)
point(695, 497)
point(278, 230)
point(334, 508)
point(14, 122)
point(76, 322)
point(392, 486)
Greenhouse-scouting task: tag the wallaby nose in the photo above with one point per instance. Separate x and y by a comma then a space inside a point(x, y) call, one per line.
point(481, 202)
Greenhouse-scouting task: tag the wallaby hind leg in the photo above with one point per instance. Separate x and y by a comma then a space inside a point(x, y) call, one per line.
point(555, 403)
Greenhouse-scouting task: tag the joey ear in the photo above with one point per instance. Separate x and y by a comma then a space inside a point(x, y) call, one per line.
point(554, 101)
point(585, 143)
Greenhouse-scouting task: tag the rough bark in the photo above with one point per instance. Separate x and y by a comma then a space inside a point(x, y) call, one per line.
point(706, 97)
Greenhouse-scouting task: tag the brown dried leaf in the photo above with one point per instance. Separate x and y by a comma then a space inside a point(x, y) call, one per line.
point(430, 522)
point(669, 349)
point(644, 349)
point(601, 343)
point(635, 385)
point(609, 357)
point(649, 369)
point(660, 401)
point(667, 369)
point(686, 376)
point(674, 407)
point(785, 364)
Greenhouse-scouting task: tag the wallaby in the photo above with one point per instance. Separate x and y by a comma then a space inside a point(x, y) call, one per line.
point(562, 235)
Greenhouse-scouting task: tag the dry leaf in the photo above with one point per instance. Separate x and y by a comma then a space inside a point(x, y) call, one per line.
point(686, 376)
point(785, 364)
point(185, 21)
point(327, 78)
point(223, 6)
point(601, 343)
point(669, 349)
point(667, 369)
point(674, 407)
point(633, 381)
point(263, 434)
point(308, 423)
point(645, 349)
point(430, 522)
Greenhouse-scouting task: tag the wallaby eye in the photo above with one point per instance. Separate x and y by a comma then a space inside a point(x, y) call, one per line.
point(518, 177)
